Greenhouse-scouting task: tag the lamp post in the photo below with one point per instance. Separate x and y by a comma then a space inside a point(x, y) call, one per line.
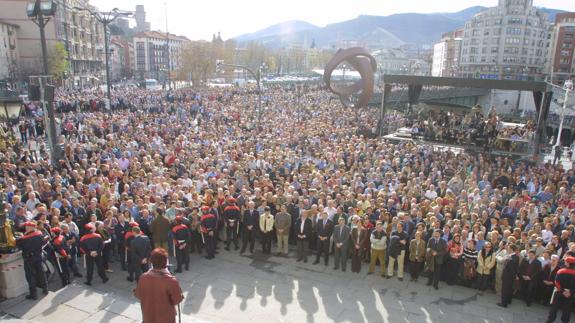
point(568, 87)
point(10, 107)
point(40, 12)
point(106, 18)
point(257, 76)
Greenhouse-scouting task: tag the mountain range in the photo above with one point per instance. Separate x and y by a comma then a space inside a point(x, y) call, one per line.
point(421, 30)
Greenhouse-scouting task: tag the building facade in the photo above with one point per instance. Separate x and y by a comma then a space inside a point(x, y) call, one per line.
point(561, 65)
point(151, 54)
point(392, 61)
point(505, 42)
point(446, 54)
point(9, 54)
point(79, 32)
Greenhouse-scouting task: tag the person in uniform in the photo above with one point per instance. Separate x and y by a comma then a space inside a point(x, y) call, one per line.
point(508, 276)
point(182, 237)
point(232, 216)
point(564, 292)
point(61, 255)
point(208, 227)
point(92, 245)
point(31, 245)
point(128, 237)
point(140, 249)
point(196, 242)
point(251, 222)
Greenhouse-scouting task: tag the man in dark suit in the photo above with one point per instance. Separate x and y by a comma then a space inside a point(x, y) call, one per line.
point(302, 229)
point(508, 276)
point(341, 243)
point(293, 210)
point(251, 221)
point(528, 271)
point(438, 248)
point(324, 229)
point(140, 249)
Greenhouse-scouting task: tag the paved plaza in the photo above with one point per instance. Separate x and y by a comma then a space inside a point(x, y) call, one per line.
point(234, 288)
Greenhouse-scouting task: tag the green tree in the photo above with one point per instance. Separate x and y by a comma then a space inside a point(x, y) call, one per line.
point(58, 60)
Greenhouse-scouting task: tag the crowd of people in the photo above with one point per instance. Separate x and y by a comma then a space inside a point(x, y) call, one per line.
point(195, 170)
point(472, 128)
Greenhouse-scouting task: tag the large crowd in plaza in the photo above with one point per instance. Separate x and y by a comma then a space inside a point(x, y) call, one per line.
point(202, 170)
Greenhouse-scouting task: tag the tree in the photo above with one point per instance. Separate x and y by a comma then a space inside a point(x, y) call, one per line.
point(198, 61)
point(58, 60)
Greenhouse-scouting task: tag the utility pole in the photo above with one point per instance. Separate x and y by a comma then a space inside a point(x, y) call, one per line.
point(568, 87)
point(168, 67)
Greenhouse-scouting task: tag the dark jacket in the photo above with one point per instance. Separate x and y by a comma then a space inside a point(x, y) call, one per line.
point(307, 229)
point(140, 248)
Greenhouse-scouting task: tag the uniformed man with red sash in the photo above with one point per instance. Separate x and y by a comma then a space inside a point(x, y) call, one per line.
point(31, 245)
point(91, 245)
point(564, 291)
point(232, 215)
point(182, 237)
point(61, 255)
point(128, 237)
point(208, 227)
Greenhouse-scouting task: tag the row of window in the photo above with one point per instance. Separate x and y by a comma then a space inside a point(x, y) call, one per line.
point(506, 59)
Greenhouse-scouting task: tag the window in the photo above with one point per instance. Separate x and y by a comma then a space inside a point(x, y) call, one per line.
point(512, 40)
point(473, 50)
point(475, 33)
point(495, 41)
point(513, 31)
point(565, 53)
point(524, 51)
point(494, 50)
point(516, 21)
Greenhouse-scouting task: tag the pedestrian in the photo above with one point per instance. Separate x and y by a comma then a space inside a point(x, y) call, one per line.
point(140, 248)
point(232, 215)
point(182, 238)
point(324, 230)
point(358, 237)
point(378, 241)
point(31, 243)
point(251, 223)
point(266, 229)
point(509, 275)
point(160, 227)
point(397, 246)
point(92, 245)
point(303, 227)
point(485, 264)
point(159, 291)
point(436, 250)
point(282, 224)
point(341, 237)
point(208, 228)
point(416, 255)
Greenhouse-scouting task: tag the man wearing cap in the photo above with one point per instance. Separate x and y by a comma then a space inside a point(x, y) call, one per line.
point(232, 216)
point(140, 249)
point(182, 237)
point(564, 292)
point(61, 255)
point(128, 237)
point(92, 245)
point(31, 245)
point(208, 226)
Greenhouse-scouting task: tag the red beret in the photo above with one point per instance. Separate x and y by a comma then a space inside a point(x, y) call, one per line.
point(231, 200)
point(56, 230)
point(89, 226)
point(205, 208)
point(179, 218)
point(570, 260)
point(30, 224)
point(134, 224)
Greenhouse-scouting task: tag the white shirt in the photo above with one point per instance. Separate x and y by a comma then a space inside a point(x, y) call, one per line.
point(302, 225)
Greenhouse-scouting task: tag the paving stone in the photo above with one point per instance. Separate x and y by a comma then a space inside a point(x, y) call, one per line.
point(62, 313)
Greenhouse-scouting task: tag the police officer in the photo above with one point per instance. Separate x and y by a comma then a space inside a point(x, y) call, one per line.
point(564, 292)
point(91, 245)
point(61, 255)
point(232, 216)
point(31, 245)
point(140, 250)
point(128, 237)
point(208, 227)
point(182, 237)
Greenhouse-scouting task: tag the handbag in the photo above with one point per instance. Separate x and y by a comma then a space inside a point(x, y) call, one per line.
point(469, 270)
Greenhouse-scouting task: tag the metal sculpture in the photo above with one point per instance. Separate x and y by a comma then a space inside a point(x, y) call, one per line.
point(363, 63)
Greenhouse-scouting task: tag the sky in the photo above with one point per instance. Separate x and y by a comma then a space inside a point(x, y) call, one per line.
point(201, 19)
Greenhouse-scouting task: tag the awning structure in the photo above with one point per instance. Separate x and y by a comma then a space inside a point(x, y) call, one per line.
point(542, 92)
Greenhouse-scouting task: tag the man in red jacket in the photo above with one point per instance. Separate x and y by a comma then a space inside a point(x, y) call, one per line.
point(158, 291)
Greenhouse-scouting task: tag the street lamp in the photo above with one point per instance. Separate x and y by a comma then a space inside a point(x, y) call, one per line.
point(568, 87)
point(40, 12)
point(106, 18)
point(257, 76)
point(10, 106)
